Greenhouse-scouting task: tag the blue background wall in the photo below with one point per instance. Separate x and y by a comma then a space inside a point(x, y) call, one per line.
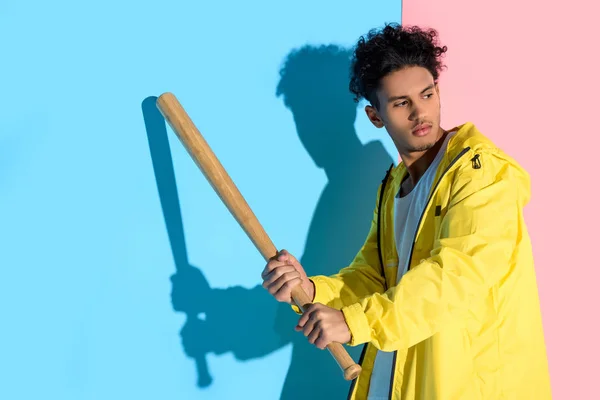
point(122, 274)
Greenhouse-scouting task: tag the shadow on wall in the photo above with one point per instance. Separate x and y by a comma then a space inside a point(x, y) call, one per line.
point(314, 87)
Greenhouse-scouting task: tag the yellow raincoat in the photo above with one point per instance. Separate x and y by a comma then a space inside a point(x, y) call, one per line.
point(464, 322)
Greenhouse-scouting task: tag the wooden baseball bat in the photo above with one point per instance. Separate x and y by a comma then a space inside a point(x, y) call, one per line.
point(220, 181)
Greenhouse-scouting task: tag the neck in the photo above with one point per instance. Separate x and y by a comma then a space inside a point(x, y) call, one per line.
point(417, 163)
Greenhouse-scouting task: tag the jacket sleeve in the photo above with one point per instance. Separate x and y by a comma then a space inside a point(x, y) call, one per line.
point(361, 278)
point(471, 253)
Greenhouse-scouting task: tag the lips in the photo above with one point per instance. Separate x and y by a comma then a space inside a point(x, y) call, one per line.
point(421, 130)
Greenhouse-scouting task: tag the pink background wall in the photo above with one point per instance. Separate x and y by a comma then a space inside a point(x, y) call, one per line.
point(523, 72)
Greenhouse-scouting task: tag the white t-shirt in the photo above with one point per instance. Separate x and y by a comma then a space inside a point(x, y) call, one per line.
point(407, 213)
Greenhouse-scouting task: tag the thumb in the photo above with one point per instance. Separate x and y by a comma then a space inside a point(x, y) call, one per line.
point(283, 255)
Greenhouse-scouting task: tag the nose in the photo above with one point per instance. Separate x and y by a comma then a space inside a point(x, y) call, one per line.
point(418, 113)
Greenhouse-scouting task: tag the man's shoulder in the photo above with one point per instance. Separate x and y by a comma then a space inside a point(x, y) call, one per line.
point(468, 136)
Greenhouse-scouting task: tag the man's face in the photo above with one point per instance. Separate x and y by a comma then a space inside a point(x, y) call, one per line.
point(408, 99)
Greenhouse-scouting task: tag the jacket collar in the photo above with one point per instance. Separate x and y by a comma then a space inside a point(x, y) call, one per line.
point(467, 136)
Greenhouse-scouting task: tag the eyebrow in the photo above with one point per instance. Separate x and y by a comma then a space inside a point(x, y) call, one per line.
point(394, 98)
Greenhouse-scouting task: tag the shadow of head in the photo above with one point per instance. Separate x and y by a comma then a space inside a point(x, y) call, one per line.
point(314, 86)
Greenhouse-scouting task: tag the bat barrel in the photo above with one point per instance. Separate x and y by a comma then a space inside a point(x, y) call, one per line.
point(216, 175)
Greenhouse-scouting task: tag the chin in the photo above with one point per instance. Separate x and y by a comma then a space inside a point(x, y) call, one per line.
point(421, 147)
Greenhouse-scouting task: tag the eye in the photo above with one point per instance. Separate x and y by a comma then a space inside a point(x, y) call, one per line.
point(402, 103)
point(428, 95)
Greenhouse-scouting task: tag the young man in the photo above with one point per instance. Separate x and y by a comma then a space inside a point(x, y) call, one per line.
point(443, 292)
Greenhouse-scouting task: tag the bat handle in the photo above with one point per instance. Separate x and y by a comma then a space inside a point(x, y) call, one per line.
point(346, 363)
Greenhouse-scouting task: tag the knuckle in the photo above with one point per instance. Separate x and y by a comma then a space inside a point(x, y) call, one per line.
point(288, 275)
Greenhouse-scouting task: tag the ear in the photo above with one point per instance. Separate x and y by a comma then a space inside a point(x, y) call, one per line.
point(374, 116)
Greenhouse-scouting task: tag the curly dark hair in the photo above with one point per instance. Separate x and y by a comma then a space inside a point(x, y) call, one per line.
point(383, 51)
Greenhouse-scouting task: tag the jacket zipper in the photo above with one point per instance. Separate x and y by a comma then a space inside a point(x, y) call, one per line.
point(462, 153)
point(383, 185)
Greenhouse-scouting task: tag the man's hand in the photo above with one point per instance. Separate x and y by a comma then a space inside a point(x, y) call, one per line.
point(282, 273)
point(323, 325)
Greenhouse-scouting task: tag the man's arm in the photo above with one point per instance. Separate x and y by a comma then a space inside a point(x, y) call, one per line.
point(477, 238)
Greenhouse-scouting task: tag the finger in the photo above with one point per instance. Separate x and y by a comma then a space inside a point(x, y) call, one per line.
point(276, 274)
point(306, 315)
point(322, 341)
point(271, 266)
point(288, 258)
point(314, 322)
point(285, 293)
point(283, 255)
point(314, 334)
point(277, 284)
